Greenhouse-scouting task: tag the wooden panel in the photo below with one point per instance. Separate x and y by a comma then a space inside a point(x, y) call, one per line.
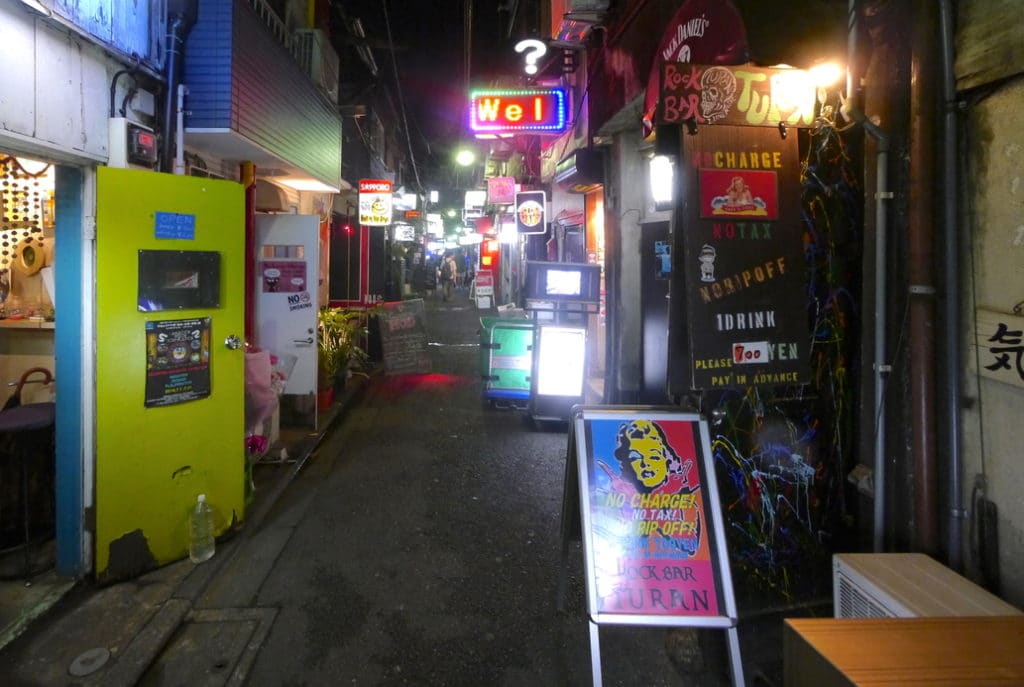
point(94, 17)
point(58, 61)
point(129, 26)
point(938, 652)
point(989, 41)
point(93, 135)
point(17, 100)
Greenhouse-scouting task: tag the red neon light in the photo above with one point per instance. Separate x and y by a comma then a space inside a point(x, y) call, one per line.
point(374, 186)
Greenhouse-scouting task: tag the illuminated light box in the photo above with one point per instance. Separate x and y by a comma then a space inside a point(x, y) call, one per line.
point(561, 352)
point(538, 110)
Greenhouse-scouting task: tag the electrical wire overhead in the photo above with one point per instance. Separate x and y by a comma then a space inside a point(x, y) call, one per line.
point(401, 98)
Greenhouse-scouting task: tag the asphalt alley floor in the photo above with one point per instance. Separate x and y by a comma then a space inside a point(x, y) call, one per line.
point(414, 540)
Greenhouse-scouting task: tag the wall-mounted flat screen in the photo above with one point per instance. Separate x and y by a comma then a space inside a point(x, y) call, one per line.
point(178, 280)
point(563, 282)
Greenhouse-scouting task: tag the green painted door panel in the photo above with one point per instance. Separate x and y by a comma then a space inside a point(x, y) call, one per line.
point(152, 462)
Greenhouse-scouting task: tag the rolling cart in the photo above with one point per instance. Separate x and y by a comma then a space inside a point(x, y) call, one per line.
point(506, 358)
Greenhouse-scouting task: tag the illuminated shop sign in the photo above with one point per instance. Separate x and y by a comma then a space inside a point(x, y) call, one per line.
point(375, 202)
point(743, 95)
point(540, 110)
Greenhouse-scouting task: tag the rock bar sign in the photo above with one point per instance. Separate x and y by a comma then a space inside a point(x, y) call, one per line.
point(740, 236)
point(652, 530)
point(651, 524)
point(744, 95)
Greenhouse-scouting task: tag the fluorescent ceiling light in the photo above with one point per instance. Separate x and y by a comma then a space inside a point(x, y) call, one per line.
point(37, 6)
point(308, 185)
point(662, 180)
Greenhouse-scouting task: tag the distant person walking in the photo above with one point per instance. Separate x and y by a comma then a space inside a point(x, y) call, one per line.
point(448, 273)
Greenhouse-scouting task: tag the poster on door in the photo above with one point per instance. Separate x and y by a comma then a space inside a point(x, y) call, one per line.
point(283, 276)
point(177, 361)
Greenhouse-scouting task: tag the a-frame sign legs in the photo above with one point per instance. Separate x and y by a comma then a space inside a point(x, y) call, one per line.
point(595, 653)
point(732, 637)
point(735, 661)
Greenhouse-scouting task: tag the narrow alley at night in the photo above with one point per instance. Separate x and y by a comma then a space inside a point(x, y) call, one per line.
point(419, 544)
point(534, 342)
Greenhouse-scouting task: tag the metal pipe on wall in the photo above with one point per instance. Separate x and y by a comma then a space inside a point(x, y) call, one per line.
point(951, 277)
point(175, 43)
point(181, 16)
point(920, 236)
point(179, 131)
point(881, 368)
point(247, 172)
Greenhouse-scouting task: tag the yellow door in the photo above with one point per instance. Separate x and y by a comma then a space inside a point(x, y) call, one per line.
point(170, 291)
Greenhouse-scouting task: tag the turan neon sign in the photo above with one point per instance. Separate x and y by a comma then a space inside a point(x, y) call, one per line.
point(538, 111)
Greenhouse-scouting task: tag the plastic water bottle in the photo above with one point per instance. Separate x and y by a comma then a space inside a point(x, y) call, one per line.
point(201, 542)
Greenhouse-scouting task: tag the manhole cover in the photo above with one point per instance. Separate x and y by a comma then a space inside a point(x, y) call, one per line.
point(89, 662)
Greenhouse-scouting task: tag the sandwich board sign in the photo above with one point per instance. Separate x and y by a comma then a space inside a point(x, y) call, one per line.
point(643, 481)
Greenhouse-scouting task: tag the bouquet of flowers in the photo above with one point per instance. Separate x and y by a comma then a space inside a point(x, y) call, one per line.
point(266, 376)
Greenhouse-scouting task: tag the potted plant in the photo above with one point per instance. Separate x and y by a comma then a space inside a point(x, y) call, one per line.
point(340, 332)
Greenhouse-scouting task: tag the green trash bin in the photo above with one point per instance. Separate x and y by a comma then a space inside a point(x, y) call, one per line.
point(506, 360)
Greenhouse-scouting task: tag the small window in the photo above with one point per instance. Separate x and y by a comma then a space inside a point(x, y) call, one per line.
point(275, 251)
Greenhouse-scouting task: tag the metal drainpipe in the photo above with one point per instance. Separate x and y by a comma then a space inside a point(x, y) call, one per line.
point(175, 39)
point(247, 172)
point(179, 131)
point(881, 368)
point(920, 237)
point(951, 277)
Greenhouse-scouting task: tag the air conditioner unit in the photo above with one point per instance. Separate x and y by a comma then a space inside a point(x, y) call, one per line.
point(586, 6)
point(580, 17)
point(319, 60)
point(906, 585)
point(582, 171)
point(197, 171)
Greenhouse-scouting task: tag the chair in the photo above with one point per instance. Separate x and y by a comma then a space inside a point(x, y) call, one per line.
point(26, 431)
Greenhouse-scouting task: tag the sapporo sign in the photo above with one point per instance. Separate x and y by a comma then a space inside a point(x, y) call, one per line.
point(743, 263)
point(375, 202)
point(744, 95)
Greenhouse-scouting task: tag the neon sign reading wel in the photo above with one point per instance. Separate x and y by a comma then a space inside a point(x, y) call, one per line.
point(541, 110)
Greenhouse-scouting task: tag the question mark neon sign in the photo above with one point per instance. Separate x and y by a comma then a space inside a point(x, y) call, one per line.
point(534, 50)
